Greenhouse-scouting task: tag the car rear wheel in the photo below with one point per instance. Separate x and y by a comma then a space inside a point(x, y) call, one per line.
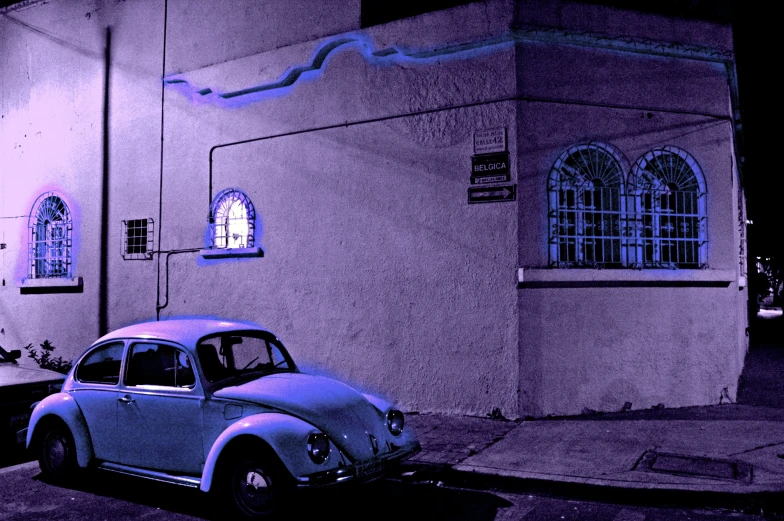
point(57, 453)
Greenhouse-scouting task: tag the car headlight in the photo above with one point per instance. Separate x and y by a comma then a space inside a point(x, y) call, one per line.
point(318, 447)
point(395, 422)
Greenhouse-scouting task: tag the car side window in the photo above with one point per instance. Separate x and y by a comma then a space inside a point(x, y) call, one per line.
point(159, 364)
point(102, 365)
point(276, 356)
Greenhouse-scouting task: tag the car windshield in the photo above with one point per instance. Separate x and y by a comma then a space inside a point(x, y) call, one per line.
point(242, 355)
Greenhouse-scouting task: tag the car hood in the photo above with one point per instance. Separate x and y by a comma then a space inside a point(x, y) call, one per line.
point(13, 374)
point(333, 407)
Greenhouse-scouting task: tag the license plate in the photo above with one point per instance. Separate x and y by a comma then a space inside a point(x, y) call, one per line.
point(370, 468)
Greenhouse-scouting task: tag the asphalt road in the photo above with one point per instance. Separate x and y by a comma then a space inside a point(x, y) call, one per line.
point(105, 496)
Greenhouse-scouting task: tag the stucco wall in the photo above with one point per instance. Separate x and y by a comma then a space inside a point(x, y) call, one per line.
point(588, 348)
point(50, 102)
point(376, 269)
point(215, 31)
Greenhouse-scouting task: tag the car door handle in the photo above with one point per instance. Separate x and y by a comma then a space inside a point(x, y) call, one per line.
point(126, 399)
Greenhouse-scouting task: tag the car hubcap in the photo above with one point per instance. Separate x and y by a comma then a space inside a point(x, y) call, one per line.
point(255, 491)
point(56, 451)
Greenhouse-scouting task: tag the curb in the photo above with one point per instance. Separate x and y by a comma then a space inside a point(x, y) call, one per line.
point(757, 503)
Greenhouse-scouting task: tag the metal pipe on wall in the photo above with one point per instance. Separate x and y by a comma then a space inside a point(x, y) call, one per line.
point(103, 278)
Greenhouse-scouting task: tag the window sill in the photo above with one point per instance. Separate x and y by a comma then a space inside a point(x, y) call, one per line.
point(51, 285)
point(590, 278)
point(226, 253)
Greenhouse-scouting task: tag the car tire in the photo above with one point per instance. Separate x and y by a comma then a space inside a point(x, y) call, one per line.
point(57, 453)
point(254, 488)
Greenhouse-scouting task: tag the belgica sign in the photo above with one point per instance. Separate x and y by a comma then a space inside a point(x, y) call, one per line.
point(490, 168)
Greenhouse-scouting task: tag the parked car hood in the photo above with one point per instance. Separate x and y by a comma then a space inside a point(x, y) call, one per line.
point(13, 374)
point(335, 408)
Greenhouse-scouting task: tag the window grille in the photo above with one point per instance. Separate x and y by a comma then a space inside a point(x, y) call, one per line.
point(50, 238)
point(233, 220)
point(138, 239)
point(667, 223)
point(586, 196)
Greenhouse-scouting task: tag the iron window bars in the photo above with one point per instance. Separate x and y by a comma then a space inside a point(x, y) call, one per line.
point(656, 220)
point(138, 239)
point(50, 238)
point(232, 220)
point(586, 193)
point(668, 227)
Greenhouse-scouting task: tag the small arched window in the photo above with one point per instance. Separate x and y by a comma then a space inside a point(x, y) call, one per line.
point(585, 190)
point(667, 189)
point(233, 220)
point(50, 238)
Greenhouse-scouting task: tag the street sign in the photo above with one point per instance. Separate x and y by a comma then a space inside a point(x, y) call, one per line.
point(492, 194)
point(490, 140)
point(490, 168)
point(489, 179)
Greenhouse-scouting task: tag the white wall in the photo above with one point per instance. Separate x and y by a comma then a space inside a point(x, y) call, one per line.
point(376, 270)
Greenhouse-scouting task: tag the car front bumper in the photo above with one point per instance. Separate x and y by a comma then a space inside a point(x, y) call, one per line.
point(359, 472)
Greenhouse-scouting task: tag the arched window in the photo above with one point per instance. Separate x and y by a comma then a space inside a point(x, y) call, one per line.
point(585, 190)
point(50, 238)
point(233, 220)
point(669, 222)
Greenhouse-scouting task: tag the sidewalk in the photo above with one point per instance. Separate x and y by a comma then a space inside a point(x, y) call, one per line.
point(727, 449)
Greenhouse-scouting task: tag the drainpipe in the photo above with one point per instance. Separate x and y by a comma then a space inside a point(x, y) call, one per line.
point(103, 277)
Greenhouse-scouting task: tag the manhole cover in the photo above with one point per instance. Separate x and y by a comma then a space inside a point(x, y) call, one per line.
point(697, 466)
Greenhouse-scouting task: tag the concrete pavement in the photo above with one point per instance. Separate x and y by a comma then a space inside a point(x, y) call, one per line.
point(732, 451)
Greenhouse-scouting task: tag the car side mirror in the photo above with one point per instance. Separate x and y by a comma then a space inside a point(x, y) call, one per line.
point(16, 353)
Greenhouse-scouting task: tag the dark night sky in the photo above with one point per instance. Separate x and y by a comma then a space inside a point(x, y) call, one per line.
point(754, 34)
point(756, 57)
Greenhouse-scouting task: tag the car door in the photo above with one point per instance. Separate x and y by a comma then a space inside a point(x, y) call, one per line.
point(160, 410)
point(95, 390)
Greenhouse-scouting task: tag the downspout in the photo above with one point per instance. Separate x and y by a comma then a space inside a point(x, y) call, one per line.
point(103, 277)
point(160, 182)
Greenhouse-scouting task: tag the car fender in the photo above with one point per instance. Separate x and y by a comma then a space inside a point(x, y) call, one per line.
point(407, 437)
point(379, 403)
point(286, 435)
point(63, 406)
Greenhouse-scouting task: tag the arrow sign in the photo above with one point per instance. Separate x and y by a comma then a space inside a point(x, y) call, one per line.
point(492, 194)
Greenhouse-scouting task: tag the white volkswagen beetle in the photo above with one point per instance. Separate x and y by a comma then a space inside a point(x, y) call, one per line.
point(216, 405)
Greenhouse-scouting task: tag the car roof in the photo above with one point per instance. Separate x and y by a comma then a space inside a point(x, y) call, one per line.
point(185, 331)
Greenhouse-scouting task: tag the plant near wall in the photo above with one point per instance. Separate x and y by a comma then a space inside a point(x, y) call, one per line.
point(45, 359)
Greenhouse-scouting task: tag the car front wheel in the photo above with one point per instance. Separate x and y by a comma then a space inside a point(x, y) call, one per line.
point(255, 489)
point(57, 453)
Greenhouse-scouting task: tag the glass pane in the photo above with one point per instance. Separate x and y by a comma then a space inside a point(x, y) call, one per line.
point(278, 360)
point(102, 365)
point(236, 355)
point(183, 375)
point(159, 364)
